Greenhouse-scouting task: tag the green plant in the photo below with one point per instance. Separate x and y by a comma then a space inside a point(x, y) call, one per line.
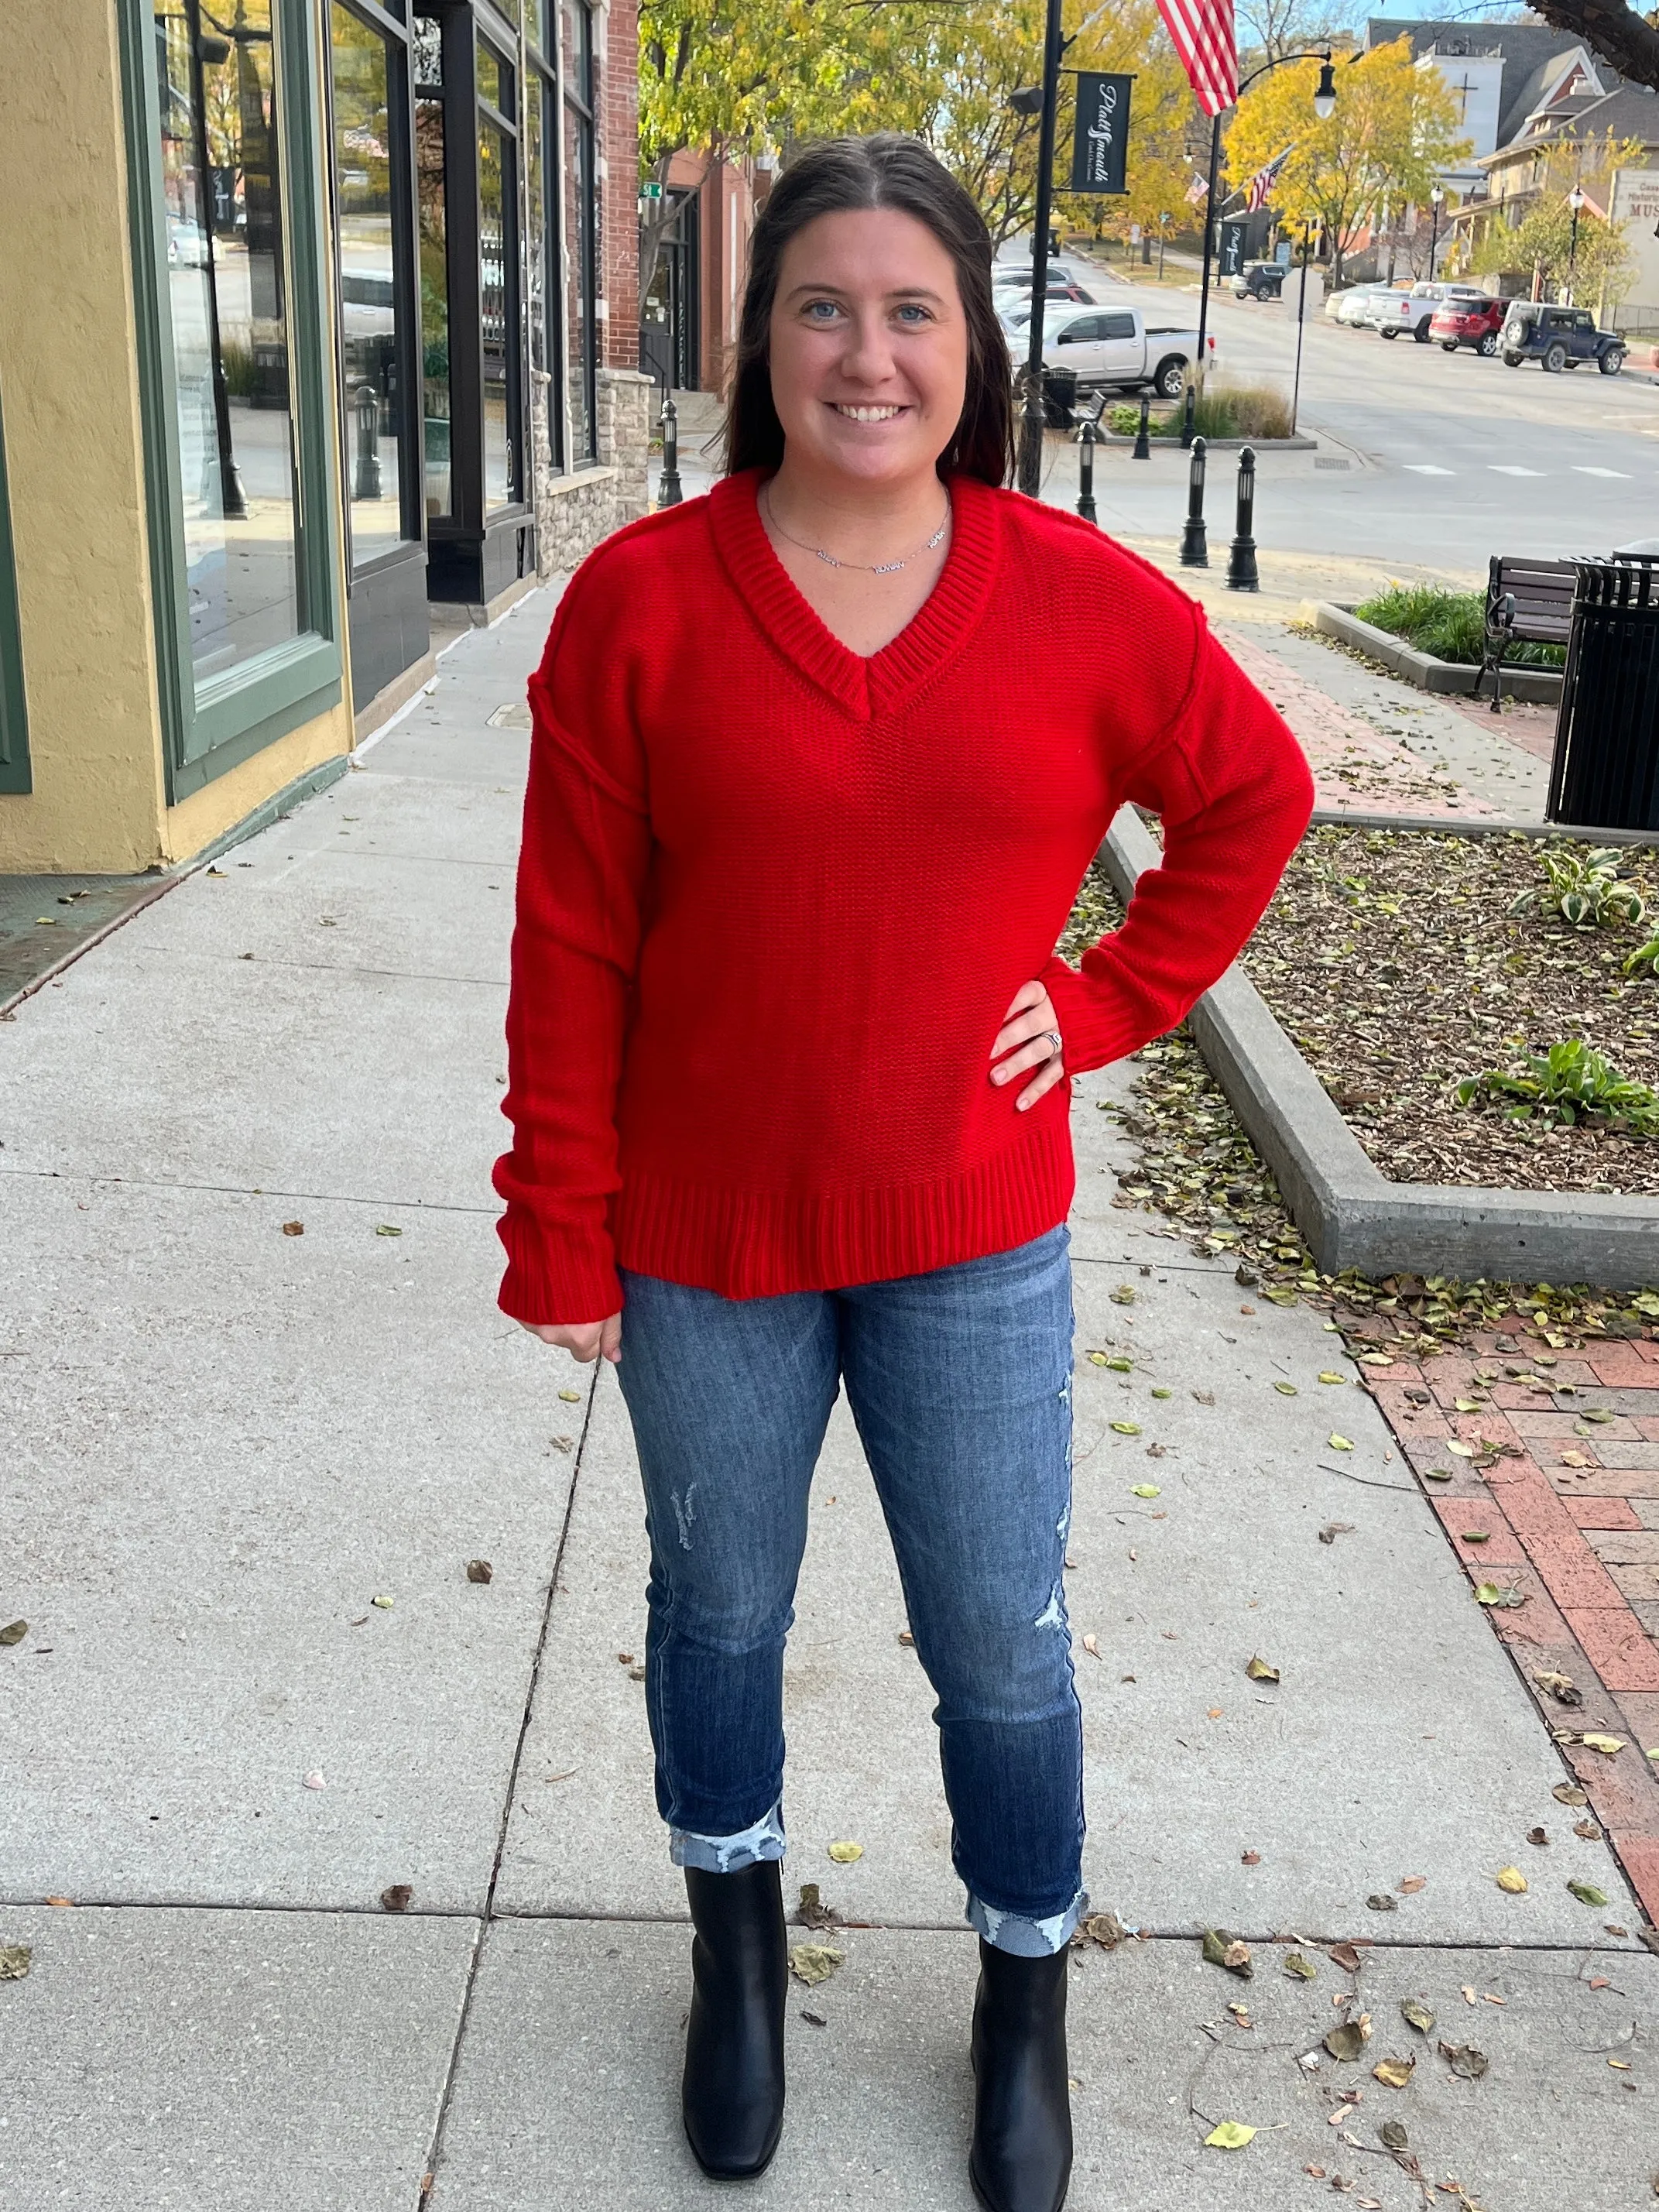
point(1645, 955)
point(241, 377)
point(1567, 1085)
point(1235, 410)
point(1450, 625)
point(1585, 889)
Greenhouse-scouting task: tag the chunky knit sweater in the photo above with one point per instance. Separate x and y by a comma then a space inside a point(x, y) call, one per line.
point(774, 897)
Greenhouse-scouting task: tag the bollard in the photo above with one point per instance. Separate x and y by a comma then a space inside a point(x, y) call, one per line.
point(1194, 551)
point(1085, 497)
point(1241, 560)
point(1187, 407)
point(1143, 451)
point(668, 493)
point(366, 476)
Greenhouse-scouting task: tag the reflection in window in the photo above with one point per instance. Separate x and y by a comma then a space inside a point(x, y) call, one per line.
point(541, 243)
point(580, 240)
point(435, 300)
point(493, 308)
point(222, 188)
point(372, 352)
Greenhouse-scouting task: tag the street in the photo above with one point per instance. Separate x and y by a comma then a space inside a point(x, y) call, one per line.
point(1450, 458)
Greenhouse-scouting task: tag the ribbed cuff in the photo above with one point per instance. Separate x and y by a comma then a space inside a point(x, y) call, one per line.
point(1095, 1029)
point(559, 1284)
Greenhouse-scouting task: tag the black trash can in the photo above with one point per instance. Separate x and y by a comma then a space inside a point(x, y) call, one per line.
point(1060, 398)
point(1605, 775)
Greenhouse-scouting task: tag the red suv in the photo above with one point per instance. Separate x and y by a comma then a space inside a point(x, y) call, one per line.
point(1467, 320)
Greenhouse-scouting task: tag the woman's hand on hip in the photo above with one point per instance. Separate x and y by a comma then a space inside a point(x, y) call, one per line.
point(585, 1340)
point(1030, 1037)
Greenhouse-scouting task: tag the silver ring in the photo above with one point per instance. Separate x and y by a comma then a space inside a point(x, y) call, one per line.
point(1059, 1047)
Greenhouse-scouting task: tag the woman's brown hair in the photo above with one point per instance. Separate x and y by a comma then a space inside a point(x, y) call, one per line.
point(887, 170)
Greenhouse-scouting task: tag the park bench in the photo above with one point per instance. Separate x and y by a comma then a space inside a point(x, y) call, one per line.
point(1528, 601)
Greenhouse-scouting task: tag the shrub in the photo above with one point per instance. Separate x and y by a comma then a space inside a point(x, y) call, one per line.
point(1568, 1083)
point(1451, 625)
point(1239, 411)
point(1583, 889)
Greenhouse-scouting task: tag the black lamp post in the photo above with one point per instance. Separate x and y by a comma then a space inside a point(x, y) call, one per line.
point(1042, 102)
point(1436, 201)
point(1575, 201)
point(1324, 104)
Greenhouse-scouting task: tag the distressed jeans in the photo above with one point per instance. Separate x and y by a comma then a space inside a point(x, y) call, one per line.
point(960, 1383)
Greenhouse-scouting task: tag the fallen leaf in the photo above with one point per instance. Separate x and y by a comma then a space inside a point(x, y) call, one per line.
point(1416, 2014)
point(1376, 1360)
point(313, 1780)
point(812, 1911)
point(1600, 1981)
point(479, 1571)
point(1229, 2134)
point(396, 1898)
point(1394, 2072)
point(1466, 1405)
point(1345, 1955)
point(1588, 1830)
point(387, 1229)
point(1146, 1489)
point(1490, 1594)
point(1588, 1893)
point(1097, 1358)
point(1329, 1375)
point(1259, 1670)
point(1576, 1459)
point(1511, 1881)
point(1332, 1529)
point(1304, 1969)
point(1465, 2061)
point(69, 1901)
point(1204, 1397)
point(1286, 1389)
point(1538, 1836)
point(385, 1604)
point(1335, 2119)
point(571, 1397)
point(14, 1631)
point(1393, 2136)
point(1222, 1950)
point(1104, 1929)
point(1561, 1687)
point(1459, 1449)
point(1608, 1746)
point(1241, 2013)
point(1126, 1428)
point(845, 1853)
point(1437, 1475)
point(1118, 1366)
point(813, 2019)
point(1122, 1295)
point(1476, 1536)
point(294, 1228)
point(1092, 1645)
point(813, 1963)
point(1412, 1883)
point(1250, 1858)
point(1347, 2039)
point(14, 1959)
point(1339, 1443)
point(1569, 1793)
point(1380, 1901)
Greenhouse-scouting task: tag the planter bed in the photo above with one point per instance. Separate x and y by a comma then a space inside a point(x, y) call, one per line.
point(1422, 669)
point(1297, 445)
point(1392, 1007)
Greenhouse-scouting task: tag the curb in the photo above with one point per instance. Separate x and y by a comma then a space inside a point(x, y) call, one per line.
point(1351, 1214)
point(1476, 825)
point(1216, 445)
point(1541, 686)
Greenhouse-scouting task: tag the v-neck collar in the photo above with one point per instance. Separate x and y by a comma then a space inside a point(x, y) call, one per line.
point(866, 685)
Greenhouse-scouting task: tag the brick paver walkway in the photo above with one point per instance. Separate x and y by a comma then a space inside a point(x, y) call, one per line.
point(1544, 1468)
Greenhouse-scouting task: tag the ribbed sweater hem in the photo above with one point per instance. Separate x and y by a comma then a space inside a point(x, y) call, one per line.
point(755, 1244)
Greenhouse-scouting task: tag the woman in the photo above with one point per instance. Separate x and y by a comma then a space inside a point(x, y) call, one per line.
point(818, 763)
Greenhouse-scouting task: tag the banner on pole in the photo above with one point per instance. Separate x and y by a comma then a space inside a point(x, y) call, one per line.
point(1100, 144)
point(1233, 248)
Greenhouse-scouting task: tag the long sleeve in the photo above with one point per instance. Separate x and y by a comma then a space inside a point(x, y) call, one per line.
point(1233, 788)
point(582, 876)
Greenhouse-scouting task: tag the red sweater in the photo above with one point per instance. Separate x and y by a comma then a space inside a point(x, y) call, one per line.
point(774, 897)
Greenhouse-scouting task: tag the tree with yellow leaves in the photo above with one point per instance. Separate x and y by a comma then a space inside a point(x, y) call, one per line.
point(1395, 126)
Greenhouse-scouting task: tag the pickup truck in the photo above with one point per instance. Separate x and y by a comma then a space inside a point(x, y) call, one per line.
point(1116, 349)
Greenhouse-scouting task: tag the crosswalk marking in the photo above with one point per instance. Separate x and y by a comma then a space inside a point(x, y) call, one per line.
point(1584, 469)
point(1428, 469)
point(1510, 468)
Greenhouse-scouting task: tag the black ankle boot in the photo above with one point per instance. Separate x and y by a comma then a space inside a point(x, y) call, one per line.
point(1021, 2161)
point(732, 2092)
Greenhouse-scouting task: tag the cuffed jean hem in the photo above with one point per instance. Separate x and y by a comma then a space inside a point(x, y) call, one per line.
point(730, 1854)
point(1027, 1939)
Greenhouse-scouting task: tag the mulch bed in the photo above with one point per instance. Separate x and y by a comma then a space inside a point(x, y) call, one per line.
point(1392, 960)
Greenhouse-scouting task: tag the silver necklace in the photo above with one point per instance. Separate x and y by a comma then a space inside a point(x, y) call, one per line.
point(872, 568)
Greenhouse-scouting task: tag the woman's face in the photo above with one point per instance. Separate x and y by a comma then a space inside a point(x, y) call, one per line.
point(868, 346)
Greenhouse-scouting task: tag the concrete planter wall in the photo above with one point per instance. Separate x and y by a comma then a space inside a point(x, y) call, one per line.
point(1541, 686)
point(1351, 1214)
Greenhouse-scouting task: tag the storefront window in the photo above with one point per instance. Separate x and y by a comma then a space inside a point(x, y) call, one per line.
point(222, 184)
point(541, 264)
point(497, 290)
point(368, 126)
point(433, 261)
point(581, 240)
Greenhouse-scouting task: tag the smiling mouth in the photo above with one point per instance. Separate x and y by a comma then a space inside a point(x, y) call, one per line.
point(852, 414)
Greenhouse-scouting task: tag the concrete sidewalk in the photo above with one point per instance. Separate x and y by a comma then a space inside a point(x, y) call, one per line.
point(229, 1445)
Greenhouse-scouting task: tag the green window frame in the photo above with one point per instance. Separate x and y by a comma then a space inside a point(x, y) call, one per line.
point(14, 777)
point(214, 725)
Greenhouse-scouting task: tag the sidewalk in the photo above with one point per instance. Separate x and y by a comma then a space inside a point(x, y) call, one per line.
point(257, 1691)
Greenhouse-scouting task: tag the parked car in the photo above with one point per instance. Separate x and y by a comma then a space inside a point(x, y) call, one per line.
point(1394, 312)
point(1347, 307)
point(1009, 299)
point(1260, 280)
point(1467, 320)
point(1559, 337)
point(1118, 349)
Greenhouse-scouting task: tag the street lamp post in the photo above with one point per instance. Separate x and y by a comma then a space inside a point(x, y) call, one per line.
point(1031, 419)
point(1575, 201)
point(1324, 104)
point(1436, 201)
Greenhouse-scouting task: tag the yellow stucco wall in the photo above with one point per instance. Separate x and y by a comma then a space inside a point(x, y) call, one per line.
point(75, 463)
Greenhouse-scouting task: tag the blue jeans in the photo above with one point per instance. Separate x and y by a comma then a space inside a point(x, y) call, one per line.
point(960, 1380)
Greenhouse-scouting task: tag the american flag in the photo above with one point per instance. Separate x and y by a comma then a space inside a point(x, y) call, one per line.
point(1256, 191)
point(1201, 31)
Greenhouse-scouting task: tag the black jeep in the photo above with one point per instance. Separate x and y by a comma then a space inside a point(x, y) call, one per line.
point(1260, 280)
point(1560, 338)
